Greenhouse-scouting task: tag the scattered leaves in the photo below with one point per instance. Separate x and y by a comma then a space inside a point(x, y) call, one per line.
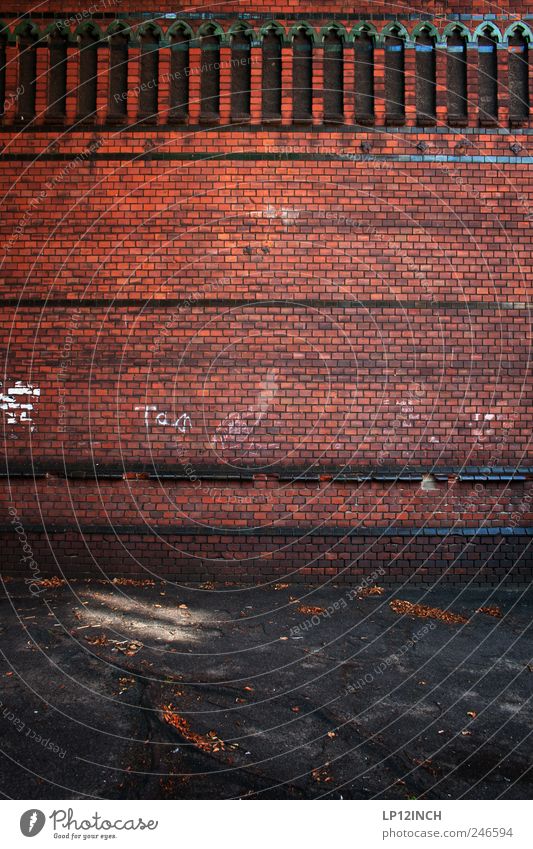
point(209, 742)
point(309, 610)
point(425, 612)
point(133, 582)
point(51, 583)
point(281, 586)
point(471, 713)
point(295, 709)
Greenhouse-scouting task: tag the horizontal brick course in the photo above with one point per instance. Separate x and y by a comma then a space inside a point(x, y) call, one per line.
point(483, 561)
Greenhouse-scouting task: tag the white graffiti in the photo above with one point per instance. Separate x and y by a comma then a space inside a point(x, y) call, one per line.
point(237, 429)
point(15, 404)
point(181, 424)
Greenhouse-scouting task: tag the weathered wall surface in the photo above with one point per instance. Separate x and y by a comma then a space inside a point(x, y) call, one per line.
point(237, 351)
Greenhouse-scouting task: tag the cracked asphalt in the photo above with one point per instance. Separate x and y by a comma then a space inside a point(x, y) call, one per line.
point(119, 690)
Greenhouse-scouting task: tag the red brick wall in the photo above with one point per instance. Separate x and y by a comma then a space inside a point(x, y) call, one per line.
point(267, 350)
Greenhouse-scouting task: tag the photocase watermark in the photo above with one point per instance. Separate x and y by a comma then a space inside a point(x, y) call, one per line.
point(66, 825)
point(236, 433)
point(381, 667)
point(404, 417)
point(84, 14)
point(32, 822)
point(339, 604)
point(184, 305)
point(18, 723)
point(65, 820)
point(38, 199)
point(516, 518)
point(28, 559)
point(11, 98)
point(495, 459)
point(238, 429)
point(64, 365)
point(157, 82)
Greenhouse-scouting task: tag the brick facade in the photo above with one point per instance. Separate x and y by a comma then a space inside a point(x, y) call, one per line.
point(248, 335)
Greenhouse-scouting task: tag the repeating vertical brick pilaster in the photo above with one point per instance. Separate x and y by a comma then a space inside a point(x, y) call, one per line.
point(73, 56)
point(317, 85)
point(286, 84)
point(163, 90)
point(256, 76)
point(472, 72)
point(225, 84)
point(530, 86)
point(102, 83)
point(410, 86)
point(502, 54)
point(134, 77)
point(441, 71)
point(379, 85)
point(195, 94)
point(41, 87)
point(349, 84)
point(12, 67)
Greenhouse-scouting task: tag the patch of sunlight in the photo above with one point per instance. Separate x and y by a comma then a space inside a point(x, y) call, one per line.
point(113, 610)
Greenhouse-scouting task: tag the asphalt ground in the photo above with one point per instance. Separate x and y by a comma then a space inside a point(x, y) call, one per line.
point(140, 690)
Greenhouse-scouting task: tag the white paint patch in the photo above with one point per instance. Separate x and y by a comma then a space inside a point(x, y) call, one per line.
point(21, 388)
point(15, 411)
point(487, 417)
